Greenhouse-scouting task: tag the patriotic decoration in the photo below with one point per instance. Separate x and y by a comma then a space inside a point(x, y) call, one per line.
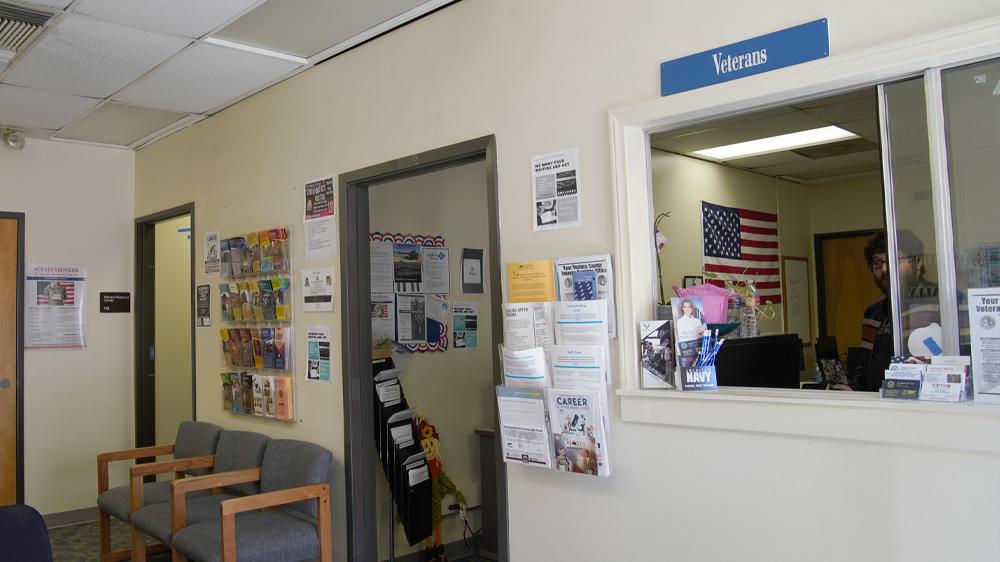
point(742, 245)
point(56, 293)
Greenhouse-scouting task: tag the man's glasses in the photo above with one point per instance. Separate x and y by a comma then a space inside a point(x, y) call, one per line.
point(878, 263)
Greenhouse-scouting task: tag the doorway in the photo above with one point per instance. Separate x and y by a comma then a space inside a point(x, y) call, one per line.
point(363, 472)
point(843, 297)
point(11, 358)
point(164, 325)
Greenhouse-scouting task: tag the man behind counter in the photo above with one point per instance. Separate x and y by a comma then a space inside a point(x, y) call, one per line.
point(876, 327)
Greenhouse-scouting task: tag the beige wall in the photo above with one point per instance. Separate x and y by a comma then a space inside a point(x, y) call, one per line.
point(846, 206)
point(454, 388)
point(172, 306)
point(78, 205)
point(542, 76)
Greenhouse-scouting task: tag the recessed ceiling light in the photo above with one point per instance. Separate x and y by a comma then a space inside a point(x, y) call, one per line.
point(779, 143)
point(255, 50)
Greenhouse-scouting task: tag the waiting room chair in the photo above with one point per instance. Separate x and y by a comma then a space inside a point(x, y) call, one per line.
point(23, 535)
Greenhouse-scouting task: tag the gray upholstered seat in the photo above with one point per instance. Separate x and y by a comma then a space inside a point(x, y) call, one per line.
point(286, 533)
point(236, 450)
point(193, 439)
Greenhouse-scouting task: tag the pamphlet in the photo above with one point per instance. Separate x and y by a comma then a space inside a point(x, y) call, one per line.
point(527, 325)
point(203, 305)
point(381, 269)
point(213, 254)
point(435, 270)
point(943, 383)
point(531, 281)
point(588, 278)
point(525, 368)
point(581, 322)
point(318, 353)
point(555, 189)
point(578, 367)
point(465, 325)
point(411, 323)
point(523, 435)
point(317, 289)
point(383, 324)
point(578, 436)
point(984, 327)
point(656, 354)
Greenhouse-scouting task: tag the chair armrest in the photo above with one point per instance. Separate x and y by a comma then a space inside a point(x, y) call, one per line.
point(176, 465)
point(180, 488)
point(320, 492)
point(125, 454)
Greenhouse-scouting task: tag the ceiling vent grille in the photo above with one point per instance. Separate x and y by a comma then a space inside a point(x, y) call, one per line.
point(17, 25)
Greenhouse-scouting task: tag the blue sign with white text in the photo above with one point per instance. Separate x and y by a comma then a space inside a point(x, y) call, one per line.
point(795, 45)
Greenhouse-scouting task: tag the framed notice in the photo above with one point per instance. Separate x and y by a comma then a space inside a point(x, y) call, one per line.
point(795, 301)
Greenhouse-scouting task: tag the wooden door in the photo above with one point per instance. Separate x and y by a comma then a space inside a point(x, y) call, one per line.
point(10, 357)
point(847, 288)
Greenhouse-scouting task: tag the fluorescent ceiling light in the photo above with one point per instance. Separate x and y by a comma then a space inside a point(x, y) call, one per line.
point(255, 50)
point(790, 141)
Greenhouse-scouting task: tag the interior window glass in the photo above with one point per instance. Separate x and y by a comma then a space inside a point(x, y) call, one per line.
point(972, 118)
point(916, 261)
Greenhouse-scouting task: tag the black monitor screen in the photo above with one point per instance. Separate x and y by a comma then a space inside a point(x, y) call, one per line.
point(765, 361)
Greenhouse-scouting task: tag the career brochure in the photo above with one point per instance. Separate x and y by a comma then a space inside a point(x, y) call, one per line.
point(578, 439)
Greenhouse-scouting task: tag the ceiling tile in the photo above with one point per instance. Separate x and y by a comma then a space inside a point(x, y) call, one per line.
point(190, 18)
point(306, 27)
point(203, 78)
point(23, 107)
point(90, 57)
point(52, 4)
point(120, 124)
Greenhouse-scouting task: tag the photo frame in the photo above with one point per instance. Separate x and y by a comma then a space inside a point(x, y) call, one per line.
point(692, 281)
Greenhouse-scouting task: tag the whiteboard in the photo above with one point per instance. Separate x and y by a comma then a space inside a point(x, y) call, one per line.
point(795, 300)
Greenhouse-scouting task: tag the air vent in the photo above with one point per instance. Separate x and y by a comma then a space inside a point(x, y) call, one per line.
point(17, 26)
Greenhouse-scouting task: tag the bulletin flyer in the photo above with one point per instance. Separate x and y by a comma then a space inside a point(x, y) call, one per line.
point(984, 327)
point(319, 218)
point(317, 289)
point(555, 184)
point(588, 278)
point(318, 353)
point(54, 298)
point(465, 325)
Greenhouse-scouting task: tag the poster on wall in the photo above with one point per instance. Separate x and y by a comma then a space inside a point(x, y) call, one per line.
point(54, 297)
point(984, 324)
point(203, 306)
point(472, 271)
point(465, 325)
point(318, 353)
point(320, 219)
point(380, 262)
point(437, 319)
point(407, 267)
point(213, 255)
point(556, 189)
point(411, 323)
point(383, 307)
point(435, 270)
point(317, 289)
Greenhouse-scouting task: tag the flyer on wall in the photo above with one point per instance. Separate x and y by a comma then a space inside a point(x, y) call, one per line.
point(411, 323)
point(318, 353)
point(380, 262)
point(435, 270)
point(213, 255)
point(465, 325)
point(527, 325)
point(383, 306)
point(984, 325)
point(320, 219)
point(317, 289)
point(54, 297)
point(203, 305)
point(407, 268)
point(588, 278)
point(524, 437)
point(555, 184)
point(531, 281)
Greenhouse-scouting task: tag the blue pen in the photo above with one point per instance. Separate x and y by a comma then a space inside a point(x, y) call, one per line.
point(715, 351)
point(706, 343)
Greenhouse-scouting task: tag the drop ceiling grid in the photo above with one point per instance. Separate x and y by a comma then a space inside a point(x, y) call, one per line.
point(189, 18)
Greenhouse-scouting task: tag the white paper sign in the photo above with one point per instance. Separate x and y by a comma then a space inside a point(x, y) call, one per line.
point(527, 325)
point(555, 187)
point(317, 289)
point(213, 255)
point(435, 270)
point(411, 320)
point(318, 353)
point(380, 261)
point(54, 297)
point(524, 436)
point(319, 218)
point(984, 327)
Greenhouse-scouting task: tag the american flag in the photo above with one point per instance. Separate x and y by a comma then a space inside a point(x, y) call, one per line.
point(741, 245)
point(69, 290)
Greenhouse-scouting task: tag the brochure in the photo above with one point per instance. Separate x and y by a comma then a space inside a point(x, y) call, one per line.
point(411, 322)
point(581, 322)
point(525, 368)
point(523, 434)
point(656, 354)
point(588, 278)
point(984, 328)
point(578, 436)
point(527, 325)
point(531, 281)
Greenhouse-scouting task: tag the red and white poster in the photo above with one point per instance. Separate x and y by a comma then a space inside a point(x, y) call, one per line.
point(54, 297)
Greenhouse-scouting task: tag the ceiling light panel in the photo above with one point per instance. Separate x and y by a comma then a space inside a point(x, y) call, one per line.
point(26, 108)
point(203, 78)
point(307, 27)
point(190, 18)
point(89, 57)
point(778, 143)
point(119, 124)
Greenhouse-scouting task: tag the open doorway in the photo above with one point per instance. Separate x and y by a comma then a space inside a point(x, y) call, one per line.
point(164, 326)
point(449, 192)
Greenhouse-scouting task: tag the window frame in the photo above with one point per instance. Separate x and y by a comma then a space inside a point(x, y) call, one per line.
point(630, 130)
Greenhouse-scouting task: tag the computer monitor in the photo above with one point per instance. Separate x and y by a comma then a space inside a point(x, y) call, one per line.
point(765, 361)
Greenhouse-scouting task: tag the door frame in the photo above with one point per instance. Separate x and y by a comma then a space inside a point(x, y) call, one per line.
point(818, 240)
point(360, 468)
point(145, 417)
point(19, 353)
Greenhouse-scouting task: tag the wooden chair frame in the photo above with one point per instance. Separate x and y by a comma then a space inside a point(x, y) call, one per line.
point(229, 508)
point(104, 519)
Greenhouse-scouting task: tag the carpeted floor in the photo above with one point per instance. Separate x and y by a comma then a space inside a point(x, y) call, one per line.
point(79, 543)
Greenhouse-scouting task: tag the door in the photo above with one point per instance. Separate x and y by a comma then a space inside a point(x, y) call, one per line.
point(845, 286)
point(11, 355)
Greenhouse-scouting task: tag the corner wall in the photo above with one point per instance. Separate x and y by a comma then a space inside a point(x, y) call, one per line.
point(78, 202)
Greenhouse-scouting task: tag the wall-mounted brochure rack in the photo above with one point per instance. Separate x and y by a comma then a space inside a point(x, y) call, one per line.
point(256, 305)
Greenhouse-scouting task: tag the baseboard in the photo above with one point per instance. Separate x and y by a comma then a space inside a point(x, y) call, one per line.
point(64, 518)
